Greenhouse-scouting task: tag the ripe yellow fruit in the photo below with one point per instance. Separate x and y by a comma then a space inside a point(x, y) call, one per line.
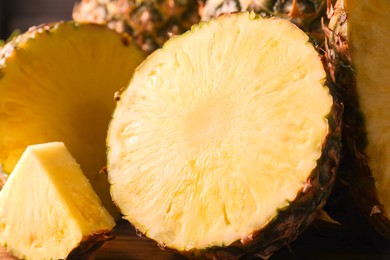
point(48, 209)
point(226, 143)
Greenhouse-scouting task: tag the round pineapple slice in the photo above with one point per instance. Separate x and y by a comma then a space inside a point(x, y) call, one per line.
point(225, 140)
point(57, 84)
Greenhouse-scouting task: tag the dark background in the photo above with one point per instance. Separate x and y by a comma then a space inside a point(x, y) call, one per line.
point(22, 14)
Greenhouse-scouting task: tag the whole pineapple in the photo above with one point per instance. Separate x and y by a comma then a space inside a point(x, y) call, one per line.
point(150, 22)
point(306, 14)
point(358, 62)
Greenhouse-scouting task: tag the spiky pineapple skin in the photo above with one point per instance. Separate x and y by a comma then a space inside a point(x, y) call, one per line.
point(150, 22)
point(355, 174)
point(306, 14)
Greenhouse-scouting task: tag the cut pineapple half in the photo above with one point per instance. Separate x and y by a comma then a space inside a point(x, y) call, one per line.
point(367, 38)
point(220, 130)
point(48, 207)
point(359, 63)
point(57, 84)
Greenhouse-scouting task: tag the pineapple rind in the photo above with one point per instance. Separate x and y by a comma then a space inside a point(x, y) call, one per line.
point(354, 168)
point(149, 22)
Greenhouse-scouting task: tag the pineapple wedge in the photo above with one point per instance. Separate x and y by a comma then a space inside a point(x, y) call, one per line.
point(225, 144)
point(48, 209)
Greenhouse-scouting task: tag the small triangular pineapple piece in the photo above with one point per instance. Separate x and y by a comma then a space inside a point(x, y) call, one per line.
point(48, 207)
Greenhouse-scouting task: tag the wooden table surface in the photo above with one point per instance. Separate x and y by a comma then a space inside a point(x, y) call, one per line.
point(321, 241)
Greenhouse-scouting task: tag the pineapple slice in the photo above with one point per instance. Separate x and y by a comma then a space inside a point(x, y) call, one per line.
point(357, 35)
point(225, 139)
point(57, 84)
point(48, 209)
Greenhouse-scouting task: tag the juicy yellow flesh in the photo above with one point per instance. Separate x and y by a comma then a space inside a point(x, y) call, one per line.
point(59, 86)
point(47, 206)
point(217, 131)
point(369, 38)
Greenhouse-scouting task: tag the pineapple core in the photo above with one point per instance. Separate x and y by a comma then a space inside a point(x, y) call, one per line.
point(369, 36)
point(217, 131)
point(48, 207)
